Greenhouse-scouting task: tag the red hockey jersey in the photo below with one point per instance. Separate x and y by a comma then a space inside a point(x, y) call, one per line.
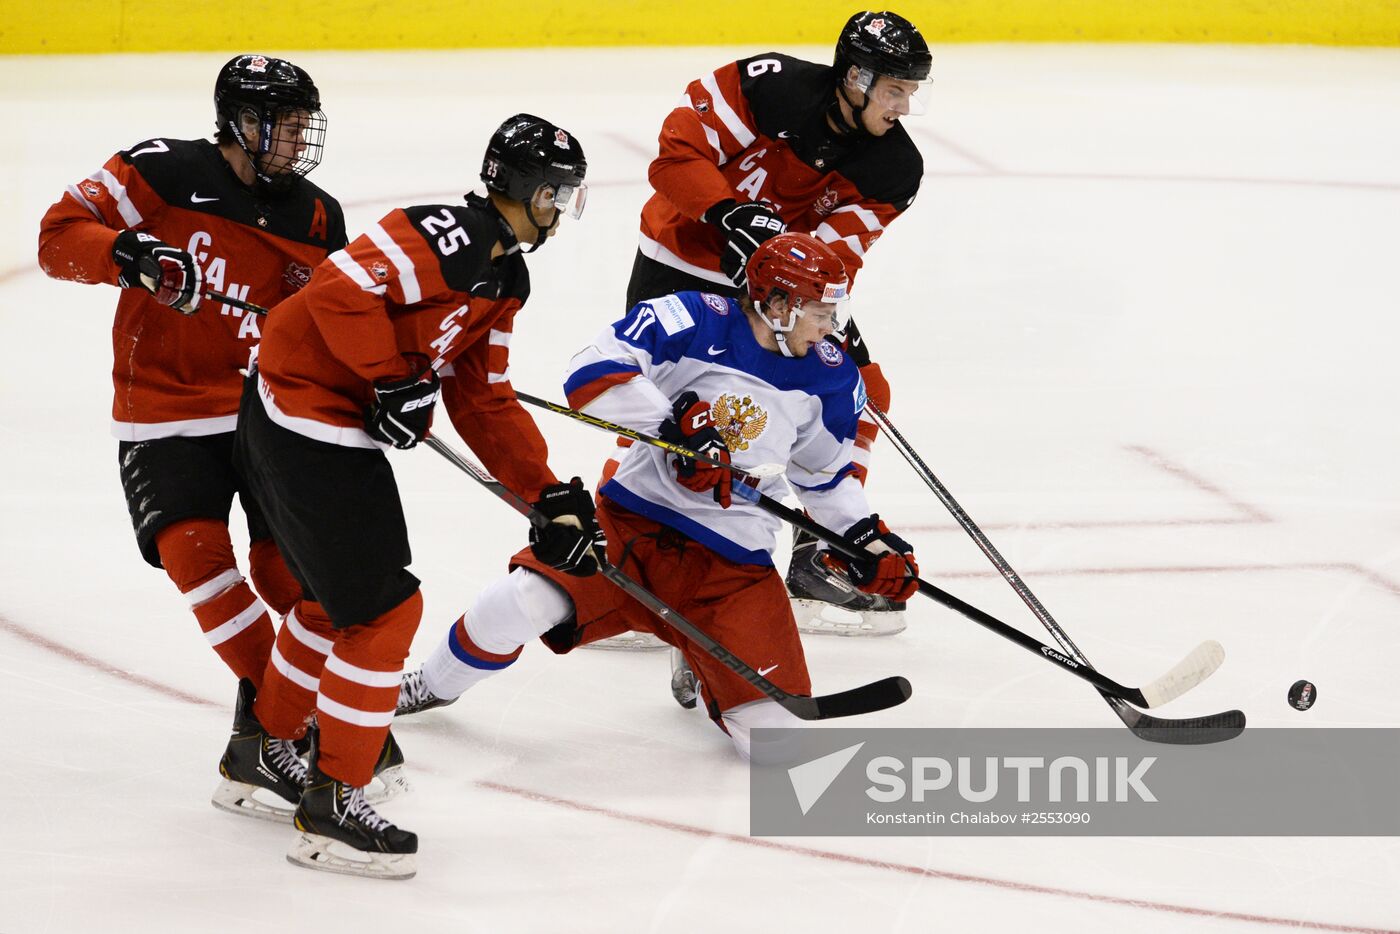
point(420, 281)
point(175, 374)
point(755, 130)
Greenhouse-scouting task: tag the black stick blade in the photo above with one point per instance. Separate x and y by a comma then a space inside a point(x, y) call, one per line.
point(1192, 731)
point(868, 698)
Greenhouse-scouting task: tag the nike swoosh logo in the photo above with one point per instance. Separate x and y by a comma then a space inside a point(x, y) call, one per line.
point(196, 199)
point(715, 353)
point(763, 672)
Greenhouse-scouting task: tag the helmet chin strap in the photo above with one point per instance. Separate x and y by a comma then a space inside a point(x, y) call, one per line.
point(855, 127)
point(780, 333)
point(264, 181)
point(542, 233)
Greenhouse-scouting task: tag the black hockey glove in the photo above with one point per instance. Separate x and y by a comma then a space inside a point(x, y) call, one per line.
point(402, 410)
point(171, 275)
point(691, 425)
point(893, 573)
point(567, 544)
point(746, 226)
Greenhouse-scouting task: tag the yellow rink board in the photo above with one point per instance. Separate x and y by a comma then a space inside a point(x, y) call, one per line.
point(86, 26)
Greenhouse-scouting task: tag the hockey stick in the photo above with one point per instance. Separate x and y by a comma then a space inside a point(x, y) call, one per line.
point(761, 471)
point(1198, 665)
point(868, 698)
point(232, 302)
point(1214, 728)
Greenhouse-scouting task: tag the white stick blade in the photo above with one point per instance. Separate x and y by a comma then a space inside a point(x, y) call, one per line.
point(1189, 672)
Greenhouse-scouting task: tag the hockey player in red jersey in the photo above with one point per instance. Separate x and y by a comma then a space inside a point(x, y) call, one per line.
point(165, 220)
point(749, 382)
point(772, 143)
point(421, 306)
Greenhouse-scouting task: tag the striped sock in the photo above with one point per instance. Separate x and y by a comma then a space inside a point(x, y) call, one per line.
point(359, 690)
point(293, 675)
point(459, 663)
point(235, 622)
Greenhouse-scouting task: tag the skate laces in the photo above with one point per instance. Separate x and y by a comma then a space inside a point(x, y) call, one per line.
point(414, 691)
point(357, 807)
point(284, 756)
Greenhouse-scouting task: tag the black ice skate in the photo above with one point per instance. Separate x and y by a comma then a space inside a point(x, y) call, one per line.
point(685, 688)
point(341, 832)
point(414, 696)
point(825, 601)
point(390, 775)
point(263, 776)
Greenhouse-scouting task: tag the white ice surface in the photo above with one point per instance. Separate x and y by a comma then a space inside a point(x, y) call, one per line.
point(1142, 321)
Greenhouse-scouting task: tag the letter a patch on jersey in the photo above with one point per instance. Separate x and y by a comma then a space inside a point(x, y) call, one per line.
point(318, 222)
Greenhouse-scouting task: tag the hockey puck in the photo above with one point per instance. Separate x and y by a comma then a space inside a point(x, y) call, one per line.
point(1302, 695)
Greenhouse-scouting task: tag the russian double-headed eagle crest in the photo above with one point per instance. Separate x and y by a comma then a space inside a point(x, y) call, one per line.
point(738, 420)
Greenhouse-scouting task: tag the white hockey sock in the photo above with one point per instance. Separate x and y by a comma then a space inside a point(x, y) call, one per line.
point(508, 613)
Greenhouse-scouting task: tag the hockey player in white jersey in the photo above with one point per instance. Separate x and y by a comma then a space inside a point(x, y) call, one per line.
point(751, 381)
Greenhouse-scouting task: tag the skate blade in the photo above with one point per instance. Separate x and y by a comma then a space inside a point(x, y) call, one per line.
point(240, 798)
point(314, 851)
point(388, 784)
point(817, 617)
point(628, 641)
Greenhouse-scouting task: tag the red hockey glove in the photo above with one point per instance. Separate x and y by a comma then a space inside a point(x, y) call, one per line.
point(692, 426)
point(891, 571)
point(171, 275)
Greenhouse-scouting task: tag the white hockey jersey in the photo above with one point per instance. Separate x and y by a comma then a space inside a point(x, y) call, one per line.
point(797, 412)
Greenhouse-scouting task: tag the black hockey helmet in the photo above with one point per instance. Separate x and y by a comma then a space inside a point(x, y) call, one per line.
point(526, 152)
point(884, 43)
point(268, 89)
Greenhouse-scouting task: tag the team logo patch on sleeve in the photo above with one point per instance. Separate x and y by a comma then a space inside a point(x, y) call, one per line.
point(829, 353)
point(379, 269)
point(861, 398)
point(92, 189)
point(718, 303)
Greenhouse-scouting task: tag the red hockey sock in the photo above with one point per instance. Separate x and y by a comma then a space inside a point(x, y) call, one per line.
point(198, 556)
point(288, 696)
point(271, 577)
point(360, 689)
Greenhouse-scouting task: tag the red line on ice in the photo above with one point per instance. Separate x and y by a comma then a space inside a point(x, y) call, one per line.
point(88, 661)
point(925, 872)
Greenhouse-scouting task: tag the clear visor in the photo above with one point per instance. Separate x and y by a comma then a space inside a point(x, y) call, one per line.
point(571, 199)
point(841, 320)
point(899, 95)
